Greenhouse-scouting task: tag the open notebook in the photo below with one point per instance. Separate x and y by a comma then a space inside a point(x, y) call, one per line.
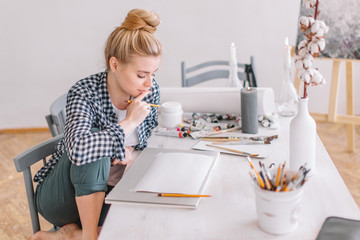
point(158, 170)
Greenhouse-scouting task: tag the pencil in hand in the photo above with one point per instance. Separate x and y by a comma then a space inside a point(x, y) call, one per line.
point(153, 105)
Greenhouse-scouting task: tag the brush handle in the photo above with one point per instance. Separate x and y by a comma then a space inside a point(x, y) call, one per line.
point(233, 150)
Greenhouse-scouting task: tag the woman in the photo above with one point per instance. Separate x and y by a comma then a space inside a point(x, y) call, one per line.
point(102, 128)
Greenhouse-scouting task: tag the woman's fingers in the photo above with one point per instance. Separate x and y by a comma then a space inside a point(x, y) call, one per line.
point(138, 111)
point(141, 96)
point(128, 157)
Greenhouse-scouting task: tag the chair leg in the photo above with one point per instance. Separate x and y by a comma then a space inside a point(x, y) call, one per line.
point(30, 196)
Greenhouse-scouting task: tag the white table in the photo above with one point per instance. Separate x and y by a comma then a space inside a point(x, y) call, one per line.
point(230, 213)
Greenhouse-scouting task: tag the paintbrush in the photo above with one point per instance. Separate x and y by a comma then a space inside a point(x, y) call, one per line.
point(235, 151)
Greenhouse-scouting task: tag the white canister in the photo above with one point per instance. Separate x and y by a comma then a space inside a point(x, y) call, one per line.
point(171, 114)
point(279, 212)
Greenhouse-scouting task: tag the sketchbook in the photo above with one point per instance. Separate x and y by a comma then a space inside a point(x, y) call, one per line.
point(159, 170)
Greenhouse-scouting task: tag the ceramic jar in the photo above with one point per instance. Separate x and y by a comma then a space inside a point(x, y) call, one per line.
point(171, 115)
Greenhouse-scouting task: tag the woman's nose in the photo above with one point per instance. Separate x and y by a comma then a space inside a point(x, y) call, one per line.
point(148, 82)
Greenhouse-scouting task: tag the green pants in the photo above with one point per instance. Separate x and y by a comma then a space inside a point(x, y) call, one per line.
point(55, 196)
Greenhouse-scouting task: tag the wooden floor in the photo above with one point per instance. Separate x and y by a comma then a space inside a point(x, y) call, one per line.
point(14, 214)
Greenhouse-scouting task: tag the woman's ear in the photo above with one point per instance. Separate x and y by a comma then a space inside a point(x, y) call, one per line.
point(114, 64)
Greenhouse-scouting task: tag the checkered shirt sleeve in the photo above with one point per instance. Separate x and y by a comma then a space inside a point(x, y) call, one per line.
point(89, 107)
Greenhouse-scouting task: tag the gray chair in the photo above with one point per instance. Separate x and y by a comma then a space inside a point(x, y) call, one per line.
point(23, 163)
point(190, 77)
point(57, 117)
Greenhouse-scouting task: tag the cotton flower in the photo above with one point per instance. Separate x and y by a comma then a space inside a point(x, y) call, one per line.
point(318, 28)
point(308, 60)
point(316, 45)
point(305, 22)
point(311, 76)
point(313, 48)
point(303, 51)
point(321, 43)
point(303, 44)
point(315, 27)
point(317, 78)
point(299, 64)
point(304, 62)
point(320, 33)
point(314, 31)
point(323, 26)
point(306, 75)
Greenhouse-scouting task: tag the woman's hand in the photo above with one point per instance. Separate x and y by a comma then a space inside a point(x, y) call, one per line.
point(136, 113)
point(128, 157)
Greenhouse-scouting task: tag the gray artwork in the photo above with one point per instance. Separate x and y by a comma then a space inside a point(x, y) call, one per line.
point(343, 19)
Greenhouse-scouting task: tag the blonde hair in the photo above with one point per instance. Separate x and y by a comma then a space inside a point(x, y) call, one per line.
point(134, 36)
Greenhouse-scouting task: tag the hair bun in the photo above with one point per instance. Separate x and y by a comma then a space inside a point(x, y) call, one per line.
point(141, 19)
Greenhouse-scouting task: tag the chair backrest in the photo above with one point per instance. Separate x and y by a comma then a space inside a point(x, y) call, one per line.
point(23, 163)
point(57, 117)
point(217, 70)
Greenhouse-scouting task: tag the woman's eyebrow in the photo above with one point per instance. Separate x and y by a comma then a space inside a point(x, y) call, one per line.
point(143, 71)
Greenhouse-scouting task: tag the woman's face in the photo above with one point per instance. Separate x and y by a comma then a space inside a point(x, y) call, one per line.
point(136, 76)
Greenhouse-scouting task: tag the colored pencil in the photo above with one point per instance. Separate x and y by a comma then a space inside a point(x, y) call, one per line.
point(181, 195)
point(153, 105)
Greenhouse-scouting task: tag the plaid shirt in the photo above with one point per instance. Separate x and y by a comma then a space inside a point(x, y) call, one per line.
point(89, 106)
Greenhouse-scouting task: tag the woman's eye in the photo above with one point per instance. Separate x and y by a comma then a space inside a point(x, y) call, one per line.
point(141, 76)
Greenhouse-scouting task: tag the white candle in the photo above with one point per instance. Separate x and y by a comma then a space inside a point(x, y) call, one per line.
point(233, 52)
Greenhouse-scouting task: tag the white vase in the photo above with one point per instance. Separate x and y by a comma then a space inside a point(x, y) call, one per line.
point(302, 138)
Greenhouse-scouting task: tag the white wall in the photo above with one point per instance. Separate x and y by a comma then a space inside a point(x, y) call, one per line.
point(46, 46)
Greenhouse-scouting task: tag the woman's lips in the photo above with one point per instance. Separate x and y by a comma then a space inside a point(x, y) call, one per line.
point(142, 91)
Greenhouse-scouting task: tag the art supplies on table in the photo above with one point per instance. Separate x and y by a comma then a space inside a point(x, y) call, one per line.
point(171, 132)
point(200, 134)
point(235, 151)
point(271, 121)
point(203, 125)
point(278, 195)
point(234, 140)
point(165, 171)
point(278, 179)
point(212, 124)
point(258, 151)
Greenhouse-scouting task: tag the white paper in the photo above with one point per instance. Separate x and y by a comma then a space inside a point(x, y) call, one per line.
point(176, 173)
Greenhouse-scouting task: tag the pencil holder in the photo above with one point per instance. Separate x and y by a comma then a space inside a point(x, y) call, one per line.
point(278, 212)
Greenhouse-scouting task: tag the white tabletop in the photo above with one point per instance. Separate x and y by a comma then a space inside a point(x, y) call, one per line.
point(230, 213)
